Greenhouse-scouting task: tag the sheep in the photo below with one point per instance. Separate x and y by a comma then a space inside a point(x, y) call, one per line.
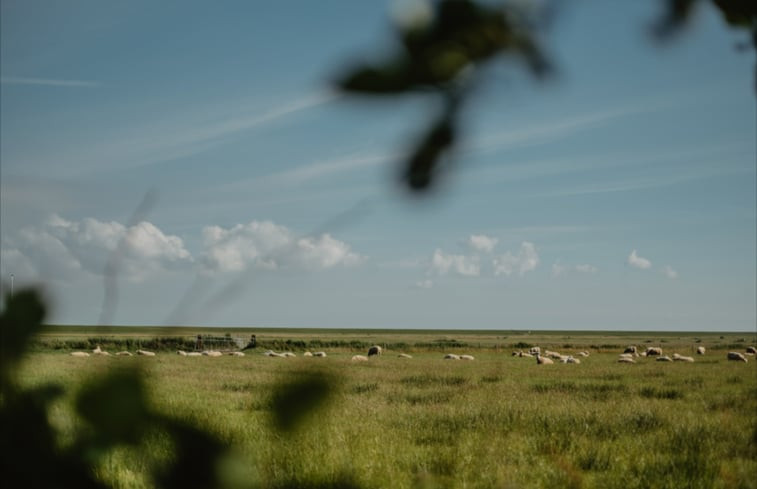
point(750, 350)
point(540, 360)
point(404, 355)
point(451, 356)
point(552, 354)
point(517, 353)
point(534, 350)
point(212, 353)
point(626, 355)
point(124, 354)
point(359, 358)
point(79, 354)
point(681, 358)
point(319, 354)
point(583, 353)
point(288, 354)
point(307, 354)
point(271, 353)
point(736, 356)
point(146, 353)
point(467, 357)
point(623, 359)
point(374, 350)
point(570, 359)
point(664, 358)
point(181, 353)
point(700, 350)
point(654, 350)
point(631, 350)
point(236, 354)
point(194, 354)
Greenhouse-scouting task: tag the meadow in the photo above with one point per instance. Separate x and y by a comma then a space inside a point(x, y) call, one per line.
point(495, 422)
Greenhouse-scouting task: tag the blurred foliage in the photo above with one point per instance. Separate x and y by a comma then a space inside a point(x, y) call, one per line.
point(114, 410)
point(445, 53)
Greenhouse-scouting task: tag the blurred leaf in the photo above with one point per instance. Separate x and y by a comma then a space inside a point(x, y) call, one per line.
point(197, 455)
point(392, 78)
point(21, 320)
point(739, 13)
point(294, 400)
point(421, 165)
point(116, 407)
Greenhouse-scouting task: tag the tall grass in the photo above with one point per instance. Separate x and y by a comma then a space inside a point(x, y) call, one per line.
point(498, 421)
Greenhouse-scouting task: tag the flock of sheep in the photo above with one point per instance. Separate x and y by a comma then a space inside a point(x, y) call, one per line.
point(629, 355)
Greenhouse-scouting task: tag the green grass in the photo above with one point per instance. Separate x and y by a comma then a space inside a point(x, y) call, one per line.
point(497, 421)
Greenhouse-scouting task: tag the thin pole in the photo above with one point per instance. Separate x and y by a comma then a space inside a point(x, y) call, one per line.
point(11, 285)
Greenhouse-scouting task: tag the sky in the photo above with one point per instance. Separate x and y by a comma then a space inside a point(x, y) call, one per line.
point(190, 163)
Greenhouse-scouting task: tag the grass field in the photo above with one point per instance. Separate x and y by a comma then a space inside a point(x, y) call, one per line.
point(497, 421)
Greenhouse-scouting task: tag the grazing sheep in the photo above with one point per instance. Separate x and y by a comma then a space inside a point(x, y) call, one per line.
point(289, 354)
point(374, 350)
point(404, 355)
point(583, 353)
point(98, 351)
point(319, 354)
point(451, 356)
point(700, 350)
point(271, 353)
point(467, 357)
point(736, 356)
point(654, 350)
point(236, 354)
point(146, 353)
point(212, 353)
point(552, 354)
point(626, 355)
point(124, 354)
point(307, 354)
point(631, 350)
point(681, 358)
point(540, 360)
point(359, 358)
point(525, 354)
point(534, 350)
point(570, 359)
point(194, 354)
point(623, 359)
point(664, 359)
point(750, 350)
point(181, 353)
point(79, 354)
point(517, 353)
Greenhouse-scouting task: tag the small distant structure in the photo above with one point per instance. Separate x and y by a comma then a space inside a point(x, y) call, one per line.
point(219, 343)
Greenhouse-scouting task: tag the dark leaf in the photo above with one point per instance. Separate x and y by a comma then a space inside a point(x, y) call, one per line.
point(294, 400)
point(21, 320)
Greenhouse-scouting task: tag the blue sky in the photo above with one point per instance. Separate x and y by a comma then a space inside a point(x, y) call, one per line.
point(618, 195)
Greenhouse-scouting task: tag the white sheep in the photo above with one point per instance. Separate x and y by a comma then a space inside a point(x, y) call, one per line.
point(664, 358)
point(359, 358)
point(319, 354)
point(534, 350)
point(552, 354)
point(79, 354)
point(653, 350)
point(700, 350)
point(540, 360)
point(736, 356)
point(194, 354)
point(124, 354)
point(681, 358)
point(623, 359)
point(467, 357)
point(404, 355)
point(570, 359)
point(525, 354)
point(750, 350)
point(181, 353)
point(236, 354)
point(288, 354)
point(631, 350)
point(583, 353)
point(146, 353)
point(626, 355)
point(307, 354)
point(451, 356)
point(375, 350)
point(212, 353)
point(271, 353)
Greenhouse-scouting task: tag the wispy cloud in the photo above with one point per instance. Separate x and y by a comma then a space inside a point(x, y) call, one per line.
point(637, 261)
point(17, 80)
point(670, 272)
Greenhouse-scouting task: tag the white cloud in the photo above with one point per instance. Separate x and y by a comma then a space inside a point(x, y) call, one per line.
point(482, 243)
point(267, 245)
point(525, 260)
point(61, 249)
point(669, 272)
point(443, 264)
point(638, 262)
